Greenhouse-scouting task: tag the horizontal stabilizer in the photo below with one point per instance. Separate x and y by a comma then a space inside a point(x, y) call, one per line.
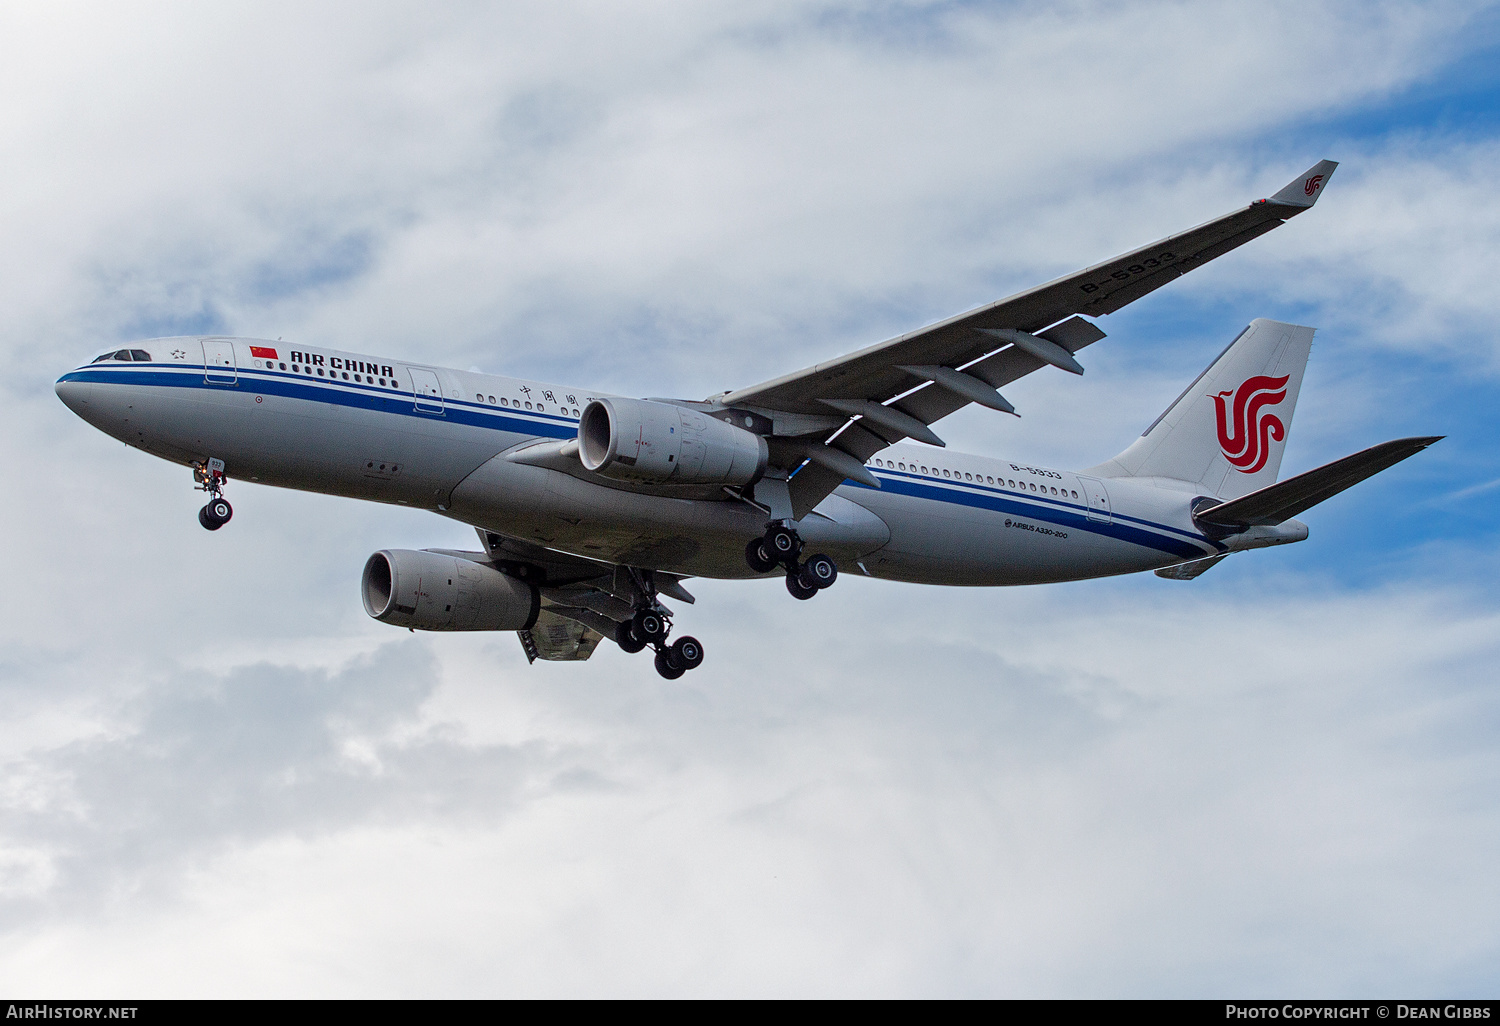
point(1285, 499)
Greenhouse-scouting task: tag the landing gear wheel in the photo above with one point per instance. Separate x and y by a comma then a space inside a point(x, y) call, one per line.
point(819, 571)
point(806, 579)
point(755, 554)
point(799, 590)
point(626, 639)
point(687, 652)
point(215, 515)
point(209, 477)
point(667, 666)
point(649, 626)
point(782, 544)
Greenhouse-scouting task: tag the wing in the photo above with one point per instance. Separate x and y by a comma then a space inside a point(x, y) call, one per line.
point(879, 395)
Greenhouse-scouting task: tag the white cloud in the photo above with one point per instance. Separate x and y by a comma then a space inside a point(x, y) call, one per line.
point(753, 175)
point(938, 810)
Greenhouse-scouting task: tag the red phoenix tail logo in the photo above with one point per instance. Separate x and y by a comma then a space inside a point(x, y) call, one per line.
point(1247, 440)
point(1311, 185)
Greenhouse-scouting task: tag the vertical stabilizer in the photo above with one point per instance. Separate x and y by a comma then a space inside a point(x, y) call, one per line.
point(1225, 434)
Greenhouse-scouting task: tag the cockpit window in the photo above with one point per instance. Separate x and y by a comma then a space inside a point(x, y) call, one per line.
point(140, 356)
point(122, 354)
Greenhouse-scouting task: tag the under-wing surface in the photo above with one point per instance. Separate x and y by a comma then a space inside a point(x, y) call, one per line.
point(593, 509)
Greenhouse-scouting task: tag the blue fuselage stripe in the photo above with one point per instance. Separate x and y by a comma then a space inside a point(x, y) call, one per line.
point(1074, 518)
point(891, 475)
point(541, 425)
point(356, 396)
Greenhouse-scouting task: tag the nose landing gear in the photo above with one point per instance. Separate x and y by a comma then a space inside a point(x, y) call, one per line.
point(780, 546)
point(210, 478)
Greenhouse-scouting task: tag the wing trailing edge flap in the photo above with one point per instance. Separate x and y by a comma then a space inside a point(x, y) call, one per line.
point(790, 453)
point(817, 479)
point(576, 618)
point(1285, 499)
point(1018, 358)
point(538, 564)
point(932, 400)
point(1192, 568)
point(584, 598)
point(810, 486)
point(564, 568)
point(557, 638)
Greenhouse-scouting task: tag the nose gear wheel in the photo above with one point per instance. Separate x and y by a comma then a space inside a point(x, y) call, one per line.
point(216, 514)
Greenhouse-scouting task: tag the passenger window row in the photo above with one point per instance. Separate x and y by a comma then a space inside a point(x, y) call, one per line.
point(539, 407)
point(363, 379)
point(978, 479)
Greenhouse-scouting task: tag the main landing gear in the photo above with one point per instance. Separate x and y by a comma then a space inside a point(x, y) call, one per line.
point(650, 626)
point(210, 478)
point(781, 546)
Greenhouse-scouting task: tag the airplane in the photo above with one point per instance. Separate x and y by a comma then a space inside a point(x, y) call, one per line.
point(592, 507)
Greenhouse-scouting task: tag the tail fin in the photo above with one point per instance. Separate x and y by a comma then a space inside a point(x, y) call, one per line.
point(1226, 432)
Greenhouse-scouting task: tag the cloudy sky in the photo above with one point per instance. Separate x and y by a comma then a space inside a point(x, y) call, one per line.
point(219, 777)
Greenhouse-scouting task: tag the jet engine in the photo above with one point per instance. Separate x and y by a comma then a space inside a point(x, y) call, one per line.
point(641, 440)
point(431, 591)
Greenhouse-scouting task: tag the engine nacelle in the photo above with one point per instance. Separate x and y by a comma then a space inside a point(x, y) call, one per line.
point(430, 591)
point(639, 440)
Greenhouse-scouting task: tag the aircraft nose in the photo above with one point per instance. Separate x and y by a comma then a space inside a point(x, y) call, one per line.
point(73, 393)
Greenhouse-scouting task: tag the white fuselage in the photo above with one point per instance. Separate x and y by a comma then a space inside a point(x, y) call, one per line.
point(444, 440)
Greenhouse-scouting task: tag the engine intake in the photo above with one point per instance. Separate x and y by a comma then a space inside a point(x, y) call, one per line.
point(431, 591)
point(641, 440)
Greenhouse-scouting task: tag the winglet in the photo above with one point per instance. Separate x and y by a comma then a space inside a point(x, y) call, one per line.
point(1305, 189)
